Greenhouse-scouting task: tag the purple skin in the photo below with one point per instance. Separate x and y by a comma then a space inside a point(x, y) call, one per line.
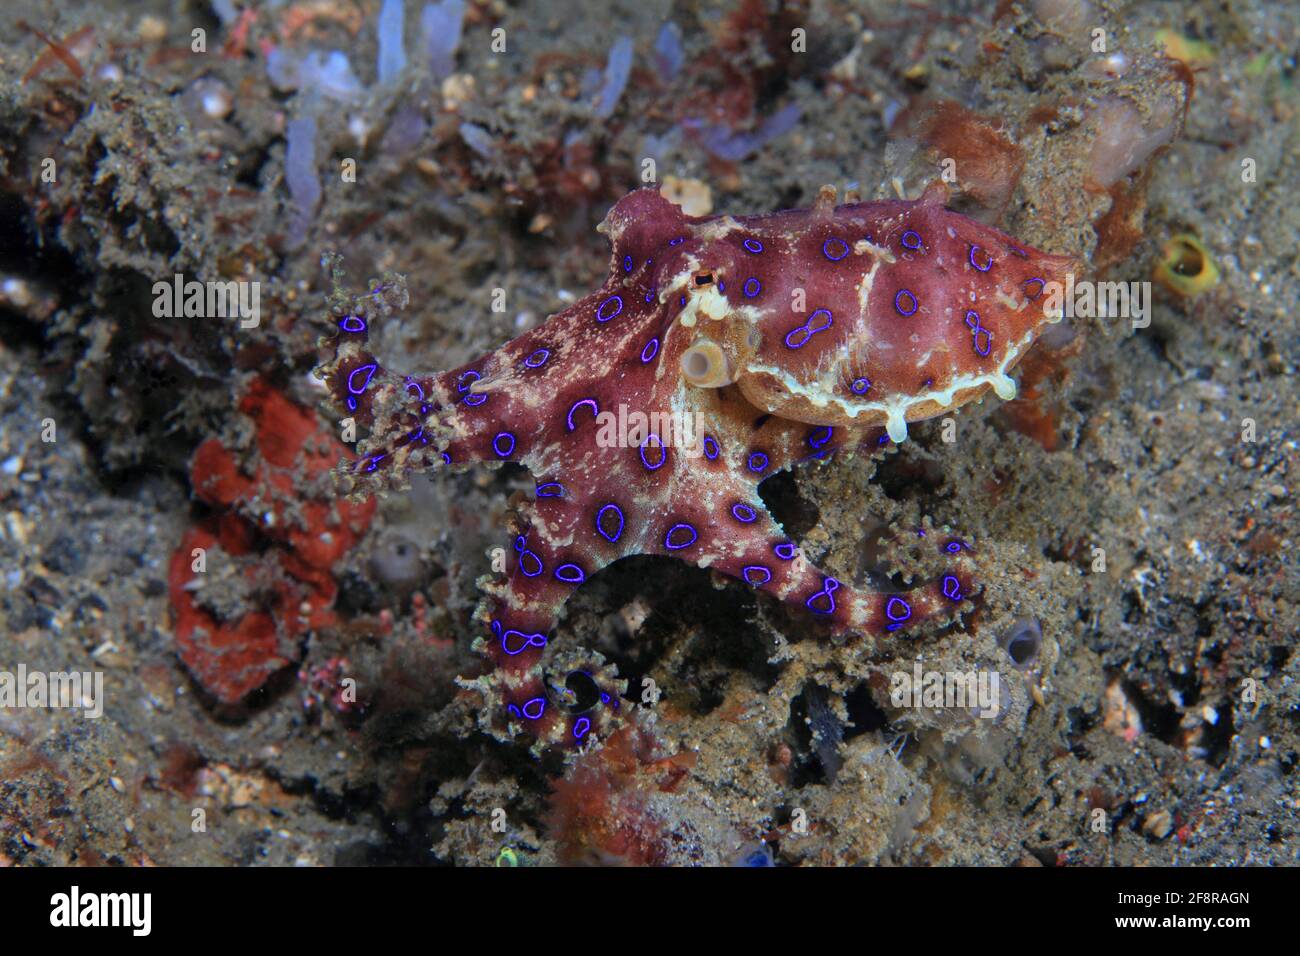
point(803, 331)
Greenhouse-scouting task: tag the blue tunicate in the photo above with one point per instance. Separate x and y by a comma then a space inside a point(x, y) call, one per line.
point(392, 57)
point(755, 854)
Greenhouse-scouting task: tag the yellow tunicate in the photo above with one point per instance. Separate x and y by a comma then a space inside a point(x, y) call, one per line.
point(1192, 52)
point(507, 857)
point(1186, 267)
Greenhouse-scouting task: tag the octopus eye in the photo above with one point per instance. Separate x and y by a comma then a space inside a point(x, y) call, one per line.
point(705, 365)
point(703, 279)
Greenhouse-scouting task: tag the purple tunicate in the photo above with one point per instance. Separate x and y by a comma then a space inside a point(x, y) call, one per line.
point(669, 54)
point(329, 74)
point(300, 176)
point(478, 139)
point(225, 10)
point(732, 146)
point(404, 132)
point(281, 69)
point(617, 69)
point(441, 24)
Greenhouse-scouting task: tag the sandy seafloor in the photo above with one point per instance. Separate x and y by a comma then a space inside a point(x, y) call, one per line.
point(1155, 721)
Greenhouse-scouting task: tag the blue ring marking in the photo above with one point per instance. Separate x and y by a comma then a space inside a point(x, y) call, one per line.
point(369, 369)
point(461, 385)
point(475, 399)
point(758, 462)
point(756, 569)
point(595, 410)
point(541, 707)
point(663, 452)
point(600, 516)
point(538, 567)
point(743, 512)
point(627, 263)
point(785, 550)
point(572, 574)
point(496, 446)
point(514, 710)
point(550, 489)
point(680, 526)
point(898, 308)
point(581, 726)
point(820, 436)
point(352, 403)
point(954, 546)
point(753, 245)
point(529, 640)
point(652, 347)
point(711, 448)
point(544, 353)
point(352, 323)
point(1041, 284)
point(829, 587)
point(898, 612)
point(757, 288)
point(842, 243)
point(808, 329)
point(419, 390)
point(446, 458)
point(677, 242)
point(860, 386)
point(951, 587)
point(373, 463)
point(988, 260)
point(976, 329)
point(916, 240)
point(600, 312)
point(650, 296)
point(722, 286)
